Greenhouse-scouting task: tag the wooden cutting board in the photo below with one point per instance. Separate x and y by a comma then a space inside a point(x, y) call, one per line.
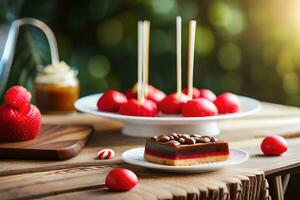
point(55, 142)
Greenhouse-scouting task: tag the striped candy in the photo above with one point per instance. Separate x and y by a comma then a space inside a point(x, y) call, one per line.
point(105, 154)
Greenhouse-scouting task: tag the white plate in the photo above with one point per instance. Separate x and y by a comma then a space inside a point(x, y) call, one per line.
point(136, 157)
point(150, 126)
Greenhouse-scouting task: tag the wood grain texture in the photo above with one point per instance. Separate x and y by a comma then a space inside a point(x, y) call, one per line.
point(55, 142)
point(107, 135)
point(87, 183)
point(82, 177)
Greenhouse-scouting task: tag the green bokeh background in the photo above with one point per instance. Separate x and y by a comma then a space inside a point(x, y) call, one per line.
point(246, 47)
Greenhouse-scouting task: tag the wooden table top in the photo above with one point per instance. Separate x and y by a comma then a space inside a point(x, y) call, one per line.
point(83, 176)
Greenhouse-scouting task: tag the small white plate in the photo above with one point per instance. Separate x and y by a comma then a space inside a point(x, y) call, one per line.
point(136, 157)
point(149, 126)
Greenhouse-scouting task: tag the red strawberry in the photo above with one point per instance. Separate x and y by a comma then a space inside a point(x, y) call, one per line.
point(19, 121)
point(17, 96)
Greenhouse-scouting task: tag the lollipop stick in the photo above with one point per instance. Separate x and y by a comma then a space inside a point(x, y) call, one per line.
point(178, 55)
point(146, 39)
point(140, 62)
point(191, 49)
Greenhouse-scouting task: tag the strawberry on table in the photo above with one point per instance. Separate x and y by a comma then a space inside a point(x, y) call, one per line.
point(19, 121)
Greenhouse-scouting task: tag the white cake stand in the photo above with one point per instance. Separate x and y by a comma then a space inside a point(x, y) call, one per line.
point(150, 126)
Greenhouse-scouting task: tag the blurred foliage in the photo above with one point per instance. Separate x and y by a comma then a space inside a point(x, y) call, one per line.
point(247, 47)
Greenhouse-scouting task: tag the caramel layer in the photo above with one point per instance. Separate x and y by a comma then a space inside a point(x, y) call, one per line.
point(185, 162)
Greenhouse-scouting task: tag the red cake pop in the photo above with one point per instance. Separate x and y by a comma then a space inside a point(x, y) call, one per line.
point(141, 106)
point(196, 92)
point(207, 94)
point(150, 92)
point(195, 107)
point(227, 103)
point(154, 94)
point(121, 179)
point(111, 101)
point(199, 108)
point(172, 104)
point(133, 108)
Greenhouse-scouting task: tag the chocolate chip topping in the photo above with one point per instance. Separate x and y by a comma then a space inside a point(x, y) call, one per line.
point(163, 138)
point(185, 136)
point(195, 135)
point(175, 136)
point(202, 140)
point(176, 139)
point(155, 138)
point(181, 140)
point(190, 141)
point(173, 143)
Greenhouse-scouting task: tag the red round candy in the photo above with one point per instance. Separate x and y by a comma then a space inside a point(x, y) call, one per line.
point(111, 101)
point(199, 108)
point(121, 179)
point(196, 92)
point(171, 104)
point(154, 94)
point(227, 103)
point(207, 94)
point(134, 108)
point(131, 94)
point(273, 145)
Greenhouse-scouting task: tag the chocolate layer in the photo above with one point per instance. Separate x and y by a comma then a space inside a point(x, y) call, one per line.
point(182, 145)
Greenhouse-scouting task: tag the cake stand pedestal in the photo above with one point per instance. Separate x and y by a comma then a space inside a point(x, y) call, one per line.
point(148, 130)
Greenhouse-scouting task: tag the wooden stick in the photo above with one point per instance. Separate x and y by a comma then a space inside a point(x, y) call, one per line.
point(146, 54)
point(140, 62)
point(191, 50)
point(178, 57)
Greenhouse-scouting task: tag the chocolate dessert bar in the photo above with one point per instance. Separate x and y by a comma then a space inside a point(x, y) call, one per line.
point(183, 149)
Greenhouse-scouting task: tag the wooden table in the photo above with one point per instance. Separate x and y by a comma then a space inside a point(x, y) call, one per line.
point(83, 177)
